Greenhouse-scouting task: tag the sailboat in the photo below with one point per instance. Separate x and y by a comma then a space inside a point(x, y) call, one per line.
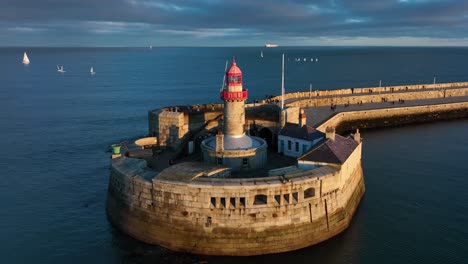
point(25, 59)
point(92, 71)
point(261, 54)
point(60, 69)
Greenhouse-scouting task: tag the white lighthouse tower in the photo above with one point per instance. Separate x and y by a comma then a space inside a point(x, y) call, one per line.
point(234, 97)
point(232, 147)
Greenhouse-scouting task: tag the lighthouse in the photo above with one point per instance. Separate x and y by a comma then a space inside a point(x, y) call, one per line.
point(231, 146)
point(234, 96)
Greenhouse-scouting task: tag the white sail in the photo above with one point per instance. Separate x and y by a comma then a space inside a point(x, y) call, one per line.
point(92, 71)
point(60, 69)
point(25, 59)
point(261, 54)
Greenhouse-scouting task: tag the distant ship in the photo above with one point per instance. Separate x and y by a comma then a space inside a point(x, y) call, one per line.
point(92, 71)
point(60, 69)
point(268, 45)
point(25, 59)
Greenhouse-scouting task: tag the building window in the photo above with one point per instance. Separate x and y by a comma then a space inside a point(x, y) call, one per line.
point(278, 198)
point(223, 202)
point(289, 144)
point(213, 201)
point(235, 79)
point(242, 201)
point(245, 162)
point(219, 161)
point(309, 193)
point(260, 199)
point(232, 202)
point(297, 146)
point(295, 197)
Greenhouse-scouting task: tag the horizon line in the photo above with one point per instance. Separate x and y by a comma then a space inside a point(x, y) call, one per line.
point(249, 46)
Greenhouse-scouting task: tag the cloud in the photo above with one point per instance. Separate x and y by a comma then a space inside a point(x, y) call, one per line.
point(241, 22)
point(203, 32)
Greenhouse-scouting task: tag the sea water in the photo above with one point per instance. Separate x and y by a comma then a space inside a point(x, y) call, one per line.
point(57, 129)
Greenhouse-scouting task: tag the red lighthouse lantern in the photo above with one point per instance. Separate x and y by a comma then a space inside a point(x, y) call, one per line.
point(233, 89)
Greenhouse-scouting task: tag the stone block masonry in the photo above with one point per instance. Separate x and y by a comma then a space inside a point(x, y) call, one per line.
point(373, 90)
point(253, 216)
point(373, 97)
point(216, 216)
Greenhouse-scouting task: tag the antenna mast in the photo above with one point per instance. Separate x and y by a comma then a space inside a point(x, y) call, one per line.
point(282, 84)
point(224, 77)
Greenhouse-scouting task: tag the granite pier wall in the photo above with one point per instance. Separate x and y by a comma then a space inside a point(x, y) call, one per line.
point(373, 91)
point(213, 216)
point(375, 97)
point(378, 118)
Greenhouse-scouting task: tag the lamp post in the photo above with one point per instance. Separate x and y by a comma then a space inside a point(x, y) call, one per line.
point(282, 82)
point(380, 86)
point(310, 91)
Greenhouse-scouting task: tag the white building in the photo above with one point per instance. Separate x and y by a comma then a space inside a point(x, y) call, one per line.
point(295, 140)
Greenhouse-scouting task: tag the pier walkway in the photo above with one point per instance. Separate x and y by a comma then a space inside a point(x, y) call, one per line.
point(319, 114)
point(318, 104)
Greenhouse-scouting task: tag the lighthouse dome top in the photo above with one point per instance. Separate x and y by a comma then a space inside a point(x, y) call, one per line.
point(234, 70)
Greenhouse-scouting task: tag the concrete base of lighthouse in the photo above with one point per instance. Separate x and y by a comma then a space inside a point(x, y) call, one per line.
point(239, 153)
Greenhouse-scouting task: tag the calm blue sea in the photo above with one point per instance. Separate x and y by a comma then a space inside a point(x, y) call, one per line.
point(57, 129)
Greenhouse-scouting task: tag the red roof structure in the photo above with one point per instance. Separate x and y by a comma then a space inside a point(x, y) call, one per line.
point(233, 89)
point(234, 70)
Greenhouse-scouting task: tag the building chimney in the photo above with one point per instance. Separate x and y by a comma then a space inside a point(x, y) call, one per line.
point(219, 142)
point(302, 118)
point(330, 133)
point(357, 136)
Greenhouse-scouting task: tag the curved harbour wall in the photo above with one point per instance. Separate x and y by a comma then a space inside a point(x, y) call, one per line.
point(216, 216)
point(346, 121)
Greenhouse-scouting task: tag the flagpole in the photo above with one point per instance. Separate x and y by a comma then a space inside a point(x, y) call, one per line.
point(224, 77)
point(282, 84)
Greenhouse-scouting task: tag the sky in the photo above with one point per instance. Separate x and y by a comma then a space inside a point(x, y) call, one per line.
point(138, 23)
